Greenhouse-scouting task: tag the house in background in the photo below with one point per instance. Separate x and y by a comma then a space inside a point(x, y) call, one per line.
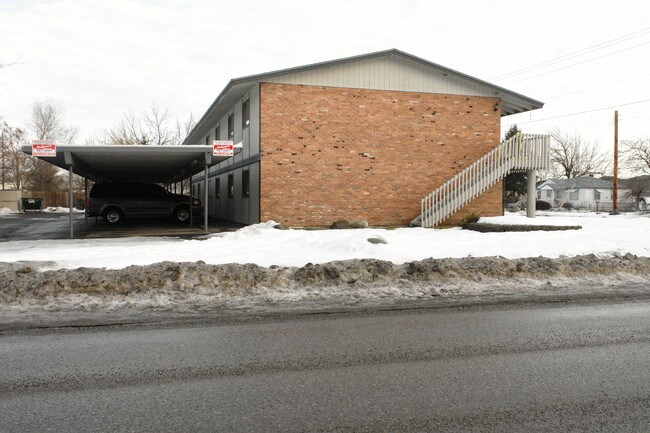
point(383, 137)
point(582, 193)
point(637, 190)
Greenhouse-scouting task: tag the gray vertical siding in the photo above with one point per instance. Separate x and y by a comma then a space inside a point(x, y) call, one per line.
point(244, 210)
point(386, 73)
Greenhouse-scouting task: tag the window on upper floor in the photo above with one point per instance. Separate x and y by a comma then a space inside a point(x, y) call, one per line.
point(246, 114)
point(231, 185)
point(217, 189)
point(217, 133)
point(231, 127)
point(207, 140)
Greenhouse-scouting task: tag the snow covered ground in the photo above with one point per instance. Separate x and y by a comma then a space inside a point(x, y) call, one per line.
point(4, 211)
point(602, 234)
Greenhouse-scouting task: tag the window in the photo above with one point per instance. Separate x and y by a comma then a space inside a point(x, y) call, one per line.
point(539, 195)
point(246, 114)
point(216, 188)
point(231, 186)
point(198, 190)
point(231, 127)
point(217, 133)
point(574, 195)
point(549, 193)
point(245, 184)
point(207, 140)
point(596, 195)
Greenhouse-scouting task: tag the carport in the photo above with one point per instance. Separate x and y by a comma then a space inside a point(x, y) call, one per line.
point(119, 163)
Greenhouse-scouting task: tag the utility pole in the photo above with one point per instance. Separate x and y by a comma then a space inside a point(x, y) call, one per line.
point(615, 196)
point(3, 156)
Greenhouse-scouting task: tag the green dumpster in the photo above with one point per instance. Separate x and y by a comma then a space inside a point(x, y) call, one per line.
point(32, 204)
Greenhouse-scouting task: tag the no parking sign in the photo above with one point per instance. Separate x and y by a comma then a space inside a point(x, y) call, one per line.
point(43, 148)
point(223, 148)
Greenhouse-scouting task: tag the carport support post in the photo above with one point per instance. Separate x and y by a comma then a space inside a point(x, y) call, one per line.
point(206, 208)
point(85, 199)
point(531, 196)
point(191, 217)
point(68, 160)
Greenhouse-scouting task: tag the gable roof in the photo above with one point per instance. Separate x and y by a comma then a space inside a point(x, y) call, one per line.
point(580, 183)
point(511, 102)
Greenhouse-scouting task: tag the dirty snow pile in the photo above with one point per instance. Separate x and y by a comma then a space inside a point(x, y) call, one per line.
point(258, 266)
point(170, 285)
point(5, 211)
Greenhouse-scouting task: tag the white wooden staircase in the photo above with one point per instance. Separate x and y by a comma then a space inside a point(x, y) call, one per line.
point(521, 152)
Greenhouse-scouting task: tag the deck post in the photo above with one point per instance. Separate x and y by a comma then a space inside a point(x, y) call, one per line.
point(531, 176)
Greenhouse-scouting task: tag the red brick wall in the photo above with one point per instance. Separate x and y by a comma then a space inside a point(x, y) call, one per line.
point(335, 153)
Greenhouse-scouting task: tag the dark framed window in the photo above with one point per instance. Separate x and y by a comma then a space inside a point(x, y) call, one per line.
point(217, 189)
point(231, 185)
point(246, 114)
point(245, 183)
point(231, 127)
point(217, 133)
point(207, 140)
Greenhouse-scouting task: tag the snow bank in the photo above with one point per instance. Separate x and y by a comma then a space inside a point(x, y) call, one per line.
point(602, 234)
point(5, 211)
point(167, 285)
point(59, 209)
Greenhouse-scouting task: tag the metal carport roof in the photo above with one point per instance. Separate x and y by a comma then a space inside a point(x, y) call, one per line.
point(137, 163)
point(133, 163)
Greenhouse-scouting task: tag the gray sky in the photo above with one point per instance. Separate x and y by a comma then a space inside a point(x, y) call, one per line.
point(101, 58)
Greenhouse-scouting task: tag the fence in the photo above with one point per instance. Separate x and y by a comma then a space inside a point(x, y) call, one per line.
point(57, 198)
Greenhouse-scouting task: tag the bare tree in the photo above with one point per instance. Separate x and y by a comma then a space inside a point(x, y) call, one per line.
point(47, 124)
point(639, 187)
point(573, 156)
point(151, 127)
point(636, 155)
point(14, 162)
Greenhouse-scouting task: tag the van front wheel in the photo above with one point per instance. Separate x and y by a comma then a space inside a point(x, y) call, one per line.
point(182, 214)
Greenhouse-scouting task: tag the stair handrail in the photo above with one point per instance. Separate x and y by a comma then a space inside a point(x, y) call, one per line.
point(522, 151)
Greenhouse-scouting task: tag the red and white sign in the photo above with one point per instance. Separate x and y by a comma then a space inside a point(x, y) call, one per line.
point(222, 148)
point(43, 148)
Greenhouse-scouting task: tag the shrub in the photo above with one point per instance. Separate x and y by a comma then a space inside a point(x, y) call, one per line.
point(469, 219)
point(542, 205)
point(567, 205)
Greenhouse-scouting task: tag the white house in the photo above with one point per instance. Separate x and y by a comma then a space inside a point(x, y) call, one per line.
point(581, 193)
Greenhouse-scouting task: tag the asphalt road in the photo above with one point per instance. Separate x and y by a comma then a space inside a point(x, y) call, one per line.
point(546, 367)
point(34, 226)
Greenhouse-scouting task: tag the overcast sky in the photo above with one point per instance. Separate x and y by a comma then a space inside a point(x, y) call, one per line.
point(102, 58)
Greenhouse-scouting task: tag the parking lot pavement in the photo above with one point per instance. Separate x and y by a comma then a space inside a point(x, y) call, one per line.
point(43, 225)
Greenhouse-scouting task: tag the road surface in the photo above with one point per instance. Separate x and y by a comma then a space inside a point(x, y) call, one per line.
point(532, 367)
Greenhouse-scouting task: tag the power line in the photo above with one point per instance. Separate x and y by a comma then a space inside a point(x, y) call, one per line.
point(578, 53)
point(583, 112)
point(579, 63)
point(595, 87)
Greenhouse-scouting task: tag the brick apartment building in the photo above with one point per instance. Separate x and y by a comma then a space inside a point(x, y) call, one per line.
point(357, 138)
